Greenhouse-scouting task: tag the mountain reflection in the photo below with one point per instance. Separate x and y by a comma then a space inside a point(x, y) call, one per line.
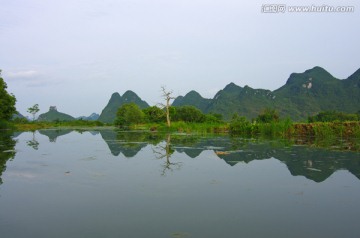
point(313, 163)
point(129, 144)
point(54, 134)
point(316, 164)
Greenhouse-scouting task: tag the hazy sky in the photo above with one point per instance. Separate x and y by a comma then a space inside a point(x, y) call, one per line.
point(75, 54)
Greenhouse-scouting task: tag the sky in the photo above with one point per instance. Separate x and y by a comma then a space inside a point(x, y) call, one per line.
point(74, 54)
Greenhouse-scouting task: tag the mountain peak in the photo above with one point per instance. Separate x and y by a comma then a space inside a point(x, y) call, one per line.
point(108, 114)
point(316, 68)
point(317, 73)
point(130, 96)
point(192, 98)
point(129, 93)
point(193, 93)
point(231, 87)
point(115, 96)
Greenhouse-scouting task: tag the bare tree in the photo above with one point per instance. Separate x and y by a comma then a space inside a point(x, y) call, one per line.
point(167, 96)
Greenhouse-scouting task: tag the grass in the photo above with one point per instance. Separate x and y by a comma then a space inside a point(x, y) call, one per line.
point(183, 127)
point(33, 126)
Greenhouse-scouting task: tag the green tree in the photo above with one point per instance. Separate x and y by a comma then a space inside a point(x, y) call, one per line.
point(154, 114)
point(239, 125)
point(33, 110)
point(330, 116)
point(7, 102)
point(189, 114)
point(128, 114)
point(213, 118)
point(269, 115)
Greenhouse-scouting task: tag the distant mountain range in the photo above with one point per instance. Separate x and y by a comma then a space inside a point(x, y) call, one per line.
point(304, 94)
point(93, 117)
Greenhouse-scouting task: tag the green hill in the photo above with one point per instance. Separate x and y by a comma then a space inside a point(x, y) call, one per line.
point(192, 98)
point(108, 114)
point(303, 95)
point(317, 90)
point(54, 115)
point(245, 101)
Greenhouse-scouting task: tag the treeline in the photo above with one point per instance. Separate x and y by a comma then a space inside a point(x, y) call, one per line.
point(131, 113)
point(266, 123)
point(328, 125)
point(333, 116)
point(23, 124)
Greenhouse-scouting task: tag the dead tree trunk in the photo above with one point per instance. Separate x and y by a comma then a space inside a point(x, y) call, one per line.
point(167, 96)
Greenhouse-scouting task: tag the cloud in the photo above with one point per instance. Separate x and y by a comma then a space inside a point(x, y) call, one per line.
point(28, 78)
point(22, 74)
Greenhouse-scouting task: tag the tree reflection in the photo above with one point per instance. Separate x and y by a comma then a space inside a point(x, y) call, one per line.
point(7, 145)
point(166, 151)
point(33, 143)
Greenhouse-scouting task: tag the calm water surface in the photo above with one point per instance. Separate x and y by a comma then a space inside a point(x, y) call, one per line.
point(108, 184)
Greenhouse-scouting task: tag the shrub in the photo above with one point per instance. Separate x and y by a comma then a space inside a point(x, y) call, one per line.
point(129, 114)
point(268, 116)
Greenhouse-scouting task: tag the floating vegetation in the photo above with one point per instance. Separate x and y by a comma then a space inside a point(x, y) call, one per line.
point(180, 234)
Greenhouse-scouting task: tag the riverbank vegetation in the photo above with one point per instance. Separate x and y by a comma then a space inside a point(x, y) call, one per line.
point(189, 119)
point(25, 125)
point(326, 127)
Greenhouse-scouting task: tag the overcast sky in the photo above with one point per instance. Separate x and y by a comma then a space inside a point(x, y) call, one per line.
point(75, 53)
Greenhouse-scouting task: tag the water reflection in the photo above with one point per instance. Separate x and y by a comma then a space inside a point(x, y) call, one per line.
point(33, 142)
point(316, 164)
point(7, 150)
point(129, 144)
point(53, 134)
point(224, 187)
point(165, 151)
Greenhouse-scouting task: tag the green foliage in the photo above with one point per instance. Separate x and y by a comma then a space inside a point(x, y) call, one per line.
point(128, 114)
point(33, 110)
point(267, 124)
point(188, 114)
point(79, 123)
point(4, 124)
point(154, 114)
point(193, 128)
point(20, 120)
point(7, 102)
point(268, 116)
point(213, 118)
point(331, 116)
point(240, 125)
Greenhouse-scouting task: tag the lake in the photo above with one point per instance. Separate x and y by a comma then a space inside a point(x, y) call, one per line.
point(65, 183)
